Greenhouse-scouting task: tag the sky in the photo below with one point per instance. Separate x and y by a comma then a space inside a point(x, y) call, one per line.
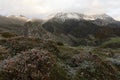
point(41, 8)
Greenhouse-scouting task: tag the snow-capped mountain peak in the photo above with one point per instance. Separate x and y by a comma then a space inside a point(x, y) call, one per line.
point(64, 15)
point(73, 15)
point(102, 16)
point(69, 15)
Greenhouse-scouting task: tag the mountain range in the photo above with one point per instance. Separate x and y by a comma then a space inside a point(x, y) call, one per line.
point(70, 28)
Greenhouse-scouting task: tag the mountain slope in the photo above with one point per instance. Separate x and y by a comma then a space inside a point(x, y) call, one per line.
point(73, 27)
point(70, 28)
point(12, 23)
point(99, 19)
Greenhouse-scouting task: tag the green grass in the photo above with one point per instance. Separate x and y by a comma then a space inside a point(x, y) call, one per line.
point(67, 52)
point(112, 43)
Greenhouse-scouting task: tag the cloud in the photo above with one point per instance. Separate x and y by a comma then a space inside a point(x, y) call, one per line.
point(39, 8)
point(95, 7)
point(25, 7)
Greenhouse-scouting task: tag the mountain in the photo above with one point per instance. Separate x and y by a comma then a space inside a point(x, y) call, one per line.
point(99, 19)
point(74, 27)
point(64, 16)
point(20, 17)
point(12, 23)
point(100, 16)
point(12, 19)
point(70, 28)
point(34, 29)
point(75, 15)
point(103, 19)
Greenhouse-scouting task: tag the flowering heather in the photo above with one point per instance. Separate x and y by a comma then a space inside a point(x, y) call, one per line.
point(30, 65)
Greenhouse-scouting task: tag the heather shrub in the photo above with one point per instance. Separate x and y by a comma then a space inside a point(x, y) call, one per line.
point(3, 52)
point(58, 72)
point(18, 44)
point(92, 67)
point(30, 65)
point(8, 34)
point(60, 43)
point(35, 64)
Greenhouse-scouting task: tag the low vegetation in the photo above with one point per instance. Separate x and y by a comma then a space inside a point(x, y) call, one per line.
point(8, 35)
point(112, 43)
point(37, 59)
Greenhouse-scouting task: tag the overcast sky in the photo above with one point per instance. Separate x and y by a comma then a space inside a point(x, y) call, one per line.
point(40, 8)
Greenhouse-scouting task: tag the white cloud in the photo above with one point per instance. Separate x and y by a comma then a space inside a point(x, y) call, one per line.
point(37, 8)
point(25, 7)
point(95, 7)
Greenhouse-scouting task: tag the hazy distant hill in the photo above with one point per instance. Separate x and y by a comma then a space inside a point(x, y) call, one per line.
point(12, 23)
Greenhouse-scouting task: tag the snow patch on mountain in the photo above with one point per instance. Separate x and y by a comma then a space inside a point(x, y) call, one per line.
point(73, 15)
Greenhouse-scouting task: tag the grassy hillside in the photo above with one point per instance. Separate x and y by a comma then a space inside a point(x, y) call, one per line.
point(112, 43)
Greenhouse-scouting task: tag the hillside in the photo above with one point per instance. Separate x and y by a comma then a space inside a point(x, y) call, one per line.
point(63, 47)
point(73, 30)
point(47, 60)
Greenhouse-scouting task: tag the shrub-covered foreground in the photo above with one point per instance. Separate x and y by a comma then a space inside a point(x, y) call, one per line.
point(32, 65)
point(92, 67)
point(30, 59)
point(36, 59)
